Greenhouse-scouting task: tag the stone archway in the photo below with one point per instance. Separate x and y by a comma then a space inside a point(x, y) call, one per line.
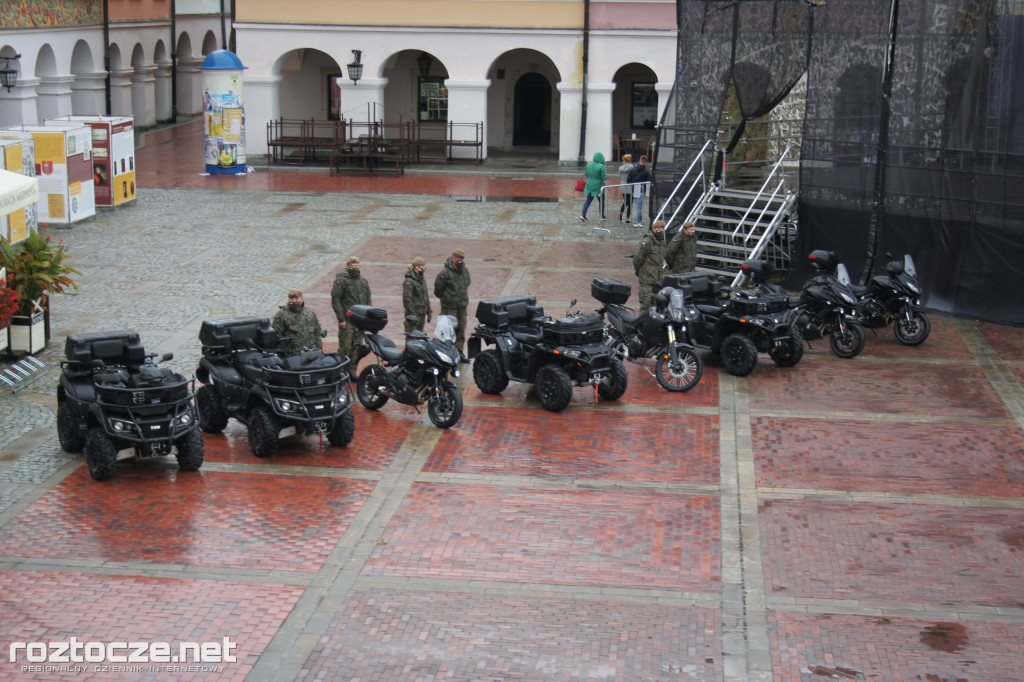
point(531, 111)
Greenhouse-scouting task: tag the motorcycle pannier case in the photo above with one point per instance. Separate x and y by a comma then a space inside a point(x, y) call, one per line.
point(506, 310)
point(367, 318)
point(237, 332)
point(608, 290)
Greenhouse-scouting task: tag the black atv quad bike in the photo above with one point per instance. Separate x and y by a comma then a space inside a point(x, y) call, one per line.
point(555, 355)
point(248, 376)
point(115, 402)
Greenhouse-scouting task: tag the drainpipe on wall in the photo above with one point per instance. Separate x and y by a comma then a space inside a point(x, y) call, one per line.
point(106, 51)
point(582, 159)
point(223, 30)
point(174, 63)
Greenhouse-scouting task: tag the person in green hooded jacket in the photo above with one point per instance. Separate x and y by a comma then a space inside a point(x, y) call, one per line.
point(595, 174)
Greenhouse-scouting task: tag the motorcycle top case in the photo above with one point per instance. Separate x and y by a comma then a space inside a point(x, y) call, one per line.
point(608, 290)
point(235, 333)
point(576, 332)
point(367, 318)
point(113, 348)
point(505, 310)
point(699, 285)
point(823, 260)
point(759, 270)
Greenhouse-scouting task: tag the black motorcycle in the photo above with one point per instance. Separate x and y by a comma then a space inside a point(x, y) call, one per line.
point(895, 298)
point(250, 377)
point(412, 376)
point(554, 355)
point(826, 305)
point(113, 398)
point(737, 324)
point(658, 332)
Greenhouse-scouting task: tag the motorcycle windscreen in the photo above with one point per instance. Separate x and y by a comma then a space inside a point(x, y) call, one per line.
point(676, 305)
point(445, 329)
point(908, 266)
point(842, 275)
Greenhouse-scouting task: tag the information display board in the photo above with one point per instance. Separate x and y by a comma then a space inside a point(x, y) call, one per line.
point(63, 166)
point(18, 156)
point(113, 156)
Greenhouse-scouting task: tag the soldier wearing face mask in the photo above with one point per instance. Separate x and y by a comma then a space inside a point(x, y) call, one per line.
point(299, 324)
point(452, 286)
point(350, 288)
point(415, 298)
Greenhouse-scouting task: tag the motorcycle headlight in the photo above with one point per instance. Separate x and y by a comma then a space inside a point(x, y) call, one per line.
point(445, 358)
point(287, 405)
point(912, 286)
point(847, 298)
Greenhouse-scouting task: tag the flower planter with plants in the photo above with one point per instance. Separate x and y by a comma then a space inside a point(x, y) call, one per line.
point(35, 268)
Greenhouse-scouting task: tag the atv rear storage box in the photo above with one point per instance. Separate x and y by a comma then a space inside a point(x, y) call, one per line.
point(746, 303)
point(608, 290)
point(113, 348)
point(697, 285)
point(367, 318)
point(579, 331)
point(505, 310)
point(235, 333)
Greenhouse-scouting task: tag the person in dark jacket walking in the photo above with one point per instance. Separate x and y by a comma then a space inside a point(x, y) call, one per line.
point(350, 288)
point(681, 253)
point(415, 298)
point(596, 174)
point(639, 178)
point(452, 286)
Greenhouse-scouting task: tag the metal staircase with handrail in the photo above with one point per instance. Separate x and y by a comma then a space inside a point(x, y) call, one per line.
point(734, 225)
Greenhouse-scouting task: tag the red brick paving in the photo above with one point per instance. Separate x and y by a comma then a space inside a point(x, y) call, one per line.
point(53, 607)
point(909, 457)
point(594, 538)
point(943, 342)
point(379, 435)
point(202, 518)
point(834, 384)
point(904, 552)
point(438, 636)
point(665, 448)
point(820, 647)
point(1008, 342)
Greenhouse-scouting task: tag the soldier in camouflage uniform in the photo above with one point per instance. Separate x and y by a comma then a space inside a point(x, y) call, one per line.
point(350, 288)
point(648, 262)
point(452, 286)
point(299, 324)
point(415, 298)
point(681, 254)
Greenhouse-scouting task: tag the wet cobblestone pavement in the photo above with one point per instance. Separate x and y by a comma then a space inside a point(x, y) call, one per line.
point(843, 519)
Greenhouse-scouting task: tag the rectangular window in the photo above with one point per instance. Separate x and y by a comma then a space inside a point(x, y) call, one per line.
point(333, 97)
point(643, 106)
point(433, 99)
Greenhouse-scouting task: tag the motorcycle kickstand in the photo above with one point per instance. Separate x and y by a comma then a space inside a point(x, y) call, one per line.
point(647, 369)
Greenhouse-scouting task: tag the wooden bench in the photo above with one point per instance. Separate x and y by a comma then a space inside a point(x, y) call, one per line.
point(306, 137)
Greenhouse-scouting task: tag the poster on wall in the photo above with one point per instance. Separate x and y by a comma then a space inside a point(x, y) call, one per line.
point(224, 131)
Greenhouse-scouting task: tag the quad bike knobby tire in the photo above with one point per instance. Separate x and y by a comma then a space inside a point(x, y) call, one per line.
point(212, 415)
point(554, 388)
point(739, 355)
point(100, 455)
point(614, 385)
point(488, 373)
point(264, 432)
point(190, 450)
point(68, 434)
point(343, 431)
point(790, 353)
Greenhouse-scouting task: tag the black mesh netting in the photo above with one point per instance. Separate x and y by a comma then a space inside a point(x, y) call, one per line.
point(919, 150)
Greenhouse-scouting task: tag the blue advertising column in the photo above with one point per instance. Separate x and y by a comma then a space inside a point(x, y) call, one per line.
point(223, 113)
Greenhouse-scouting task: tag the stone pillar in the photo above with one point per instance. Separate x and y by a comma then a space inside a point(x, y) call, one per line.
point(89, 94)
point(261, 107)
point(121, 93)
point(54, 96)
point(467, 103)
point(571, 97)
point(144, 95)
point(18, 107)
point(599, 122)
point(190, 87)
point(162, 92)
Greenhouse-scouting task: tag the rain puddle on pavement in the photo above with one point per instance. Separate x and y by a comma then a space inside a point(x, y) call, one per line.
point(948, 637)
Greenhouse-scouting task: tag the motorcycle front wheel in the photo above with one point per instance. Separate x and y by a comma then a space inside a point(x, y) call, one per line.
point(445, 409)
point(912, 332)
point(681, 376)
point(847, 343)
point(369, 397)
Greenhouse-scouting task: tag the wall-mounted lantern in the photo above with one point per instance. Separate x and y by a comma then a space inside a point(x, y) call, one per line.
point(355, 69)
point(9, 76)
